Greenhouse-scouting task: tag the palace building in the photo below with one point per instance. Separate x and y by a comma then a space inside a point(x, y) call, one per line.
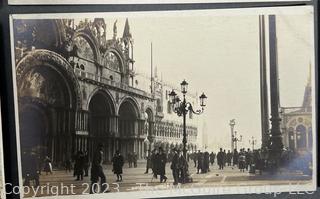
point(297, 123)
point(77, 88)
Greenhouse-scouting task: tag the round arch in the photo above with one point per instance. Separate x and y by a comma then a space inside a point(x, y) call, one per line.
point(119, 57)
point(108, 96)
point(45, 80)
point(55, 62)
point(133, 102)
point(91, 40)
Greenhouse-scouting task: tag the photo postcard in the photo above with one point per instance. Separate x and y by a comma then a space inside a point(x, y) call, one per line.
point(165, 103)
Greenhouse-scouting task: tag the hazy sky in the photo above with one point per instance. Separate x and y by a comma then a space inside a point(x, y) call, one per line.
point(220, 56)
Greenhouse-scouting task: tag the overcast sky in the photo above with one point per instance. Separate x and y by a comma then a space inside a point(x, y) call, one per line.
point(220, 56)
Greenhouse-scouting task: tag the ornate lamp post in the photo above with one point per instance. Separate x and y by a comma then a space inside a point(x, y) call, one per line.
point(235, 139)
point(182, 108)
point(232, 123)
point(253, 142)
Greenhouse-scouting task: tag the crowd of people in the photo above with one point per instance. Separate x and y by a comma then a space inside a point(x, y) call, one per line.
point(156, 160)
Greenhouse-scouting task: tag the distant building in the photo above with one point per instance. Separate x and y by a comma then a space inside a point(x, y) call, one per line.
point(297, 123)
point(78, 88)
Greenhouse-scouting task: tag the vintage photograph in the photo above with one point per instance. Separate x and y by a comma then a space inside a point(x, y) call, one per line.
point(161, 103)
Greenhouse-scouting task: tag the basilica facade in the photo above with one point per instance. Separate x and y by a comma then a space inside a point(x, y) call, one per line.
point(77, 88)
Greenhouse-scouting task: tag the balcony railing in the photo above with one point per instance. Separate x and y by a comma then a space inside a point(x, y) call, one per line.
point(106, 81)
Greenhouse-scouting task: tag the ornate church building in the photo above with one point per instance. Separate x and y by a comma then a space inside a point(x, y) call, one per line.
point(77, 88)
point(297, 123)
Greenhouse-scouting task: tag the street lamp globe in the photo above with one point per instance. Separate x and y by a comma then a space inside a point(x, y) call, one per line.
point(172, 96)
point(184, 86)
point(176, 101)
point(203, 98)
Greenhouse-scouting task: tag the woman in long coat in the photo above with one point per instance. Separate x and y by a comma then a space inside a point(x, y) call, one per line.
point(79, 166)
point(117, 162)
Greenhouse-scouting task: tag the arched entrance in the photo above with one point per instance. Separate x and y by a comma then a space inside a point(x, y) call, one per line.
point(301, 137)
point(47, 95)
point(129, 128)
point(291, 139)
point(101, 114)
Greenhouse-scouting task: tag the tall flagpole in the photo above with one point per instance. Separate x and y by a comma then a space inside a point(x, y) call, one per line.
point(263, 84)
point(151, 75)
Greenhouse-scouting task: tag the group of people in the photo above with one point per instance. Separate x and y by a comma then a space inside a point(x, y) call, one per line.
point(157, 159)
point(132, 159)
point(33, 166)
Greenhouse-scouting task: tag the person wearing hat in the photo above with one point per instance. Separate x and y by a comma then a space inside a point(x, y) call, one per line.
point(117, 163)
point(149, 163)
point(162, 160)
point(175, 167)
point(97, 171)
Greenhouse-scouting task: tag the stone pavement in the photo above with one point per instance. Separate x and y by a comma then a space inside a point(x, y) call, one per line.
point(134, 179)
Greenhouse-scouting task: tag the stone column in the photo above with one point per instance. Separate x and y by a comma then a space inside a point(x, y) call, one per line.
point(275, 144)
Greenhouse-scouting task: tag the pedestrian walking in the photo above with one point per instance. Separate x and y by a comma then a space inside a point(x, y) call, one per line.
point(229, 158)
point(117, 163)
point(68, 165)
point(235, 157)
point(175, 166)
point(149, 162)
point(206, 158)
point(30, 169)
point(242, 160)
point(79, 165)
point(154, 163)
point(97, 171)
point(212, 157)
point(135, 159)
point(200, 162)
point(86, 164)
point(161, 161)
point(248, 159)
point(220, 159)
point(130, 159)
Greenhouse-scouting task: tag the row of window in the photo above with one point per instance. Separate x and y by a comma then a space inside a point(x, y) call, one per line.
point(171, 130)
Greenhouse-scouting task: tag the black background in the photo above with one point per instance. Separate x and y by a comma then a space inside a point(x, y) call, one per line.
point(6, 87)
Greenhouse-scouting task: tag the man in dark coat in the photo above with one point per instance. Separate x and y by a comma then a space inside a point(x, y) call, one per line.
point(212, 157)
point(130, 158)
point(229, 158)
point(134, 159)
point(154, 163)
point(30, 168)
point(79, 166)
point(220, 159)
point(205, 162)
point(235, 157)
point(117, 163)
point(224, 158)
point(161, 161)
point(175, 167)
point(97, 171)
point(200, 162)
point(86, 163)
point(195, 158)
point(248, 159)
point(149, 163)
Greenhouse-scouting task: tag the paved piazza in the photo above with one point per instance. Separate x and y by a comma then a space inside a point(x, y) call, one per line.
point(133, 177)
